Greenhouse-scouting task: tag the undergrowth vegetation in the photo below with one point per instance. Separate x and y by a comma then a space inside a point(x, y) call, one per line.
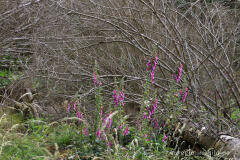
point(107, 133)
point(37, 139)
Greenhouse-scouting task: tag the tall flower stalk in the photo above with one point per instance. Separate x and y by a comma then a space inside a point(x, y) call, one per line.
point(184, 95)
point(98, 98)
point(125, 131)
point(121, 97)
point(152, 67)
point(179, 72)
point(95, 79)
point(115, 97)
point(118, 97)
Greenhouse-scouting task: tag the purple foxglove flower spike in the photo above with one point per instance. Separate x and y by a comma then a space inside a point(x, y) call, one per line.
point(125, 132)
point(69, 107)
point(109, 144)
point(74, 106)
point(94, 79)
point(154, 63)
point(164, 138)
point(81, 116)
point(98, 133)
point(152, 76)
point(122, 95)
point(148, 65)
point(145, 135)
point(155, 124)
point(115, 97)
point(104, 120)
point(154, 105)
point(78, 115)
point(85, 131)
point(179, 93)
point(145, 116)
point(109, 122)
point(184, 95)
point(179, 72)
point(101, 112)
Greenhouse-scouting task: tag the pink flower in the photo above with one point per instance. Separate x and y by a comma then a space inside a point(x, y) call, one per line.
point(121, 100)
point(101, 111)
point(154, 105)
point(78, 115)
point(148, 65)
point(151, 109)
point(115, 97)
point(179, 72)
point(104, 120)
point(179, 93)
point(69, 107)
point(98, 133)
point(109, 144)
point(152, 76)
point(184, 95)
point(153, 67)
point(145, 116)
point(85, 131)
point(74, 106)
point(125, 132)
point(94, 79)
point(145, 135)
point(154, 63)
point(155, 124)
point(109, 122)
point(164, 137)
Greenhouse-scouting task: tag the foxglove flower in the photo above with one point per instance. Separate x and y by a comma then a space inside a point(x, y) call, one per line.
point(115, 97)
point(145, 116)
point(74, 106)
point(148, 65)
point(153, 67)
point(85, 131)
point(179, 72)
point(98, 133)
point(94, 79)
point(164, 138)
point(151, 109)
point(145, 135)
point(69, 107)
point(154, 105)
point(184, 95)
point(78, 115)
point(104, 121)
point(109, 122)
point(101, 111)
point(125, 132)
point(121, 99)
point(109, 144)
point(155, 63)
point(155, 124)
point(180, 93)
point(152, 76)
